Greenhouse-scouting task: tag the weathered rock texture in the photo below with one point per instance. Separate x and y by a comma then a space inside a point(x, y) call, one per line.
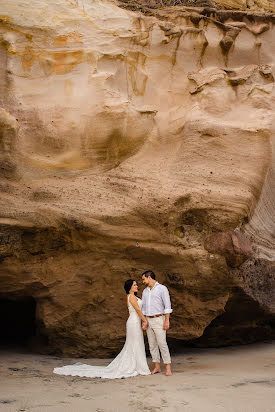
point(243, 5)
point(134, 140)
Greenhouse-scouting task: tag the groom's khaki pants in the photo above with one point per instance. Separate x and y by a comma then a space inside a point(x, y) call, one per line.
point(157, 340)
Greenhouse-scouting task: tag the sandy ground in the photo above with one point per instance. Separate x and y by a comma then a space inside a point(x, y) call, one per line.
point(233, 379)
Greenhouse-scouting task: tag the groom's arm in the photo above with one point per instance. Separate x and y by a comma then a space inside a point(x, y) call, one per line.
point(166, 323)
point(143, 309)
point(167, 308)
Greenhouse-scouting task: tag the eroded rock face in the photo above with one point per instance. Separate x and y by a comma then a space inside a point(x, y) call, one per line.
point(234, 246)
point(8, 134)
point(134, 141)
point(236, 5)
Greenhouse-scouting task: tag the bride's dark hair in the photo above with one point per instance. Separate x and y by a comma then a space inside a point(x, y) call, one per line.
point(127, 286)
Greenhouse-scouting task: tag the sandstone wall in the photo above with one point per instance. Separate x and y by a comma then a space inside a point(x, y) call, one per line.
point(134, 140)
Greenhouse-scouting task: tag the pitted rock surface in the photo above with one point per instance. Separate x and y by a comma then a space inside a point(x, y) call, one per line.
point(137, 136)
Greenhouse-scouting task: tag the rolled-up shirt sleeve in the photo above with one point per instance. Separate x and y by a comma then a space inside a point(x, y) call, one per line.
point(166, 300)
point(143, 308)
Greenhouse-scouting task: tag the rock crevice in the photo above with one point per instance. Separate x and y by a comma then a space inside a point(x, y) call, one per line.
point(137, 136)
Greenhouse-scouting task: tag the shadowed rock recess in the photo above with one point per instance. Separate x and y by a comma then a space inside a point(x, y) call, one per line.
point(136, 135)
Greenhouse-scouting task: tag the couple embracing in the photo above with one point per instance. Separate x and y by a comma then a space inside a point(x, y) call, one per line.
point(151, 313)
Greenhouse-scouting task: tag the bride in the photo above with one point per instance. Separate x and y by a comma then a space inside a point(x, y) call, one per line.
point(131, 361)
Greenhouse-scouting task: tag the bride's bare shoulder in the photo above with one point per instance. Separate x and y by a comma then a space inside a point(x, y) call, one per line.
point(133, 299)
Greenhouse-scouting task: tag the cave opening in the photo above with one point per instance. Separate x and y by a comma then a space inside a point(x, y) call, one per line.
point(242, 322)
point(18, 326)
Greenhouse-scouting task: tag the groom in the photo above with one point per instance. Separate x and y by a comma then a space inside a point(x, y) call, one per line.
point(156, 306)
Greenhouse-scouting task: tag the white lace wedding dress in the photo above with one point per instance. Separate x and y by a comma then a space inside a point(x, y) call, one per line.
point(131, 361)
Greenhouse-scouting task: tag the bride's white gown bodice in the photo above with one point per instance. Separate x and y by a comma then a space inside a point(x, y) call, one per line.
point(131, 361)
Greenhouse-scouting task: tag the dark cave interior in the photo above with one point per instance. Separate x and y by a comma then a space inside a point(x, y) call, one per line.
point(17, 321)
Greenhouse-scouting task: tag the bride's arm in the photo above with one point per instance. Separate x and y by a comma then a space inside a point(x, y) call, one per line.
point(135, 305)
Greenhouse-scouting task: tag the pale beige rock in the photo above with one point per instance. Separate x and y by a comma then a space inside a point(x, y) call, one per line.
point(138, 137)
point(8, 144)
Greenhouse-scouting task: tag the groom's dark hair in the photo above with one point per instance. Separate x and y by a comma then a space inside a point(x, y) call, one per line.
point(149, 273)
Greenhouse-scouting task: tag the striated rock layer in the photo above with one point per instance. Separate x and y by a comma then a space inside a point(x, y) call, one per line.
point(134, 140)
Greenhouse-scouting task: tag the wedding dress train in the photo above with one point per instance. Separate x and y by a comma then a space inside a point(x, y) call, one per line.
point(131, 361)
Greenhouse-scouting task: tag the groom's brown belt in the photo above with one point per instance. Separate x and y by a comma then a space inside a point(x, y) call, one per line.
point(155, 316)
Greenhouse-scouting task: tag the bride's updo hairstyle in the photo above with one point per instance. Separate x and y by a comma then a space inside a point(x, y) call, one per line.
point(127, 286)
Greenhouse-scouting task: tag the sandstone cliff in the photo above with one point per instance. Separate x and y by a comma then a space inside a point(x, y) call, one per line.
point(136, 137)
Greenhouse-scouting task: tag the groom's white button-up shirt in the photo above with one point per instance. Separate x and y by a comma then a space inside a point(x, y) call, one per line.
point(156, 301)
